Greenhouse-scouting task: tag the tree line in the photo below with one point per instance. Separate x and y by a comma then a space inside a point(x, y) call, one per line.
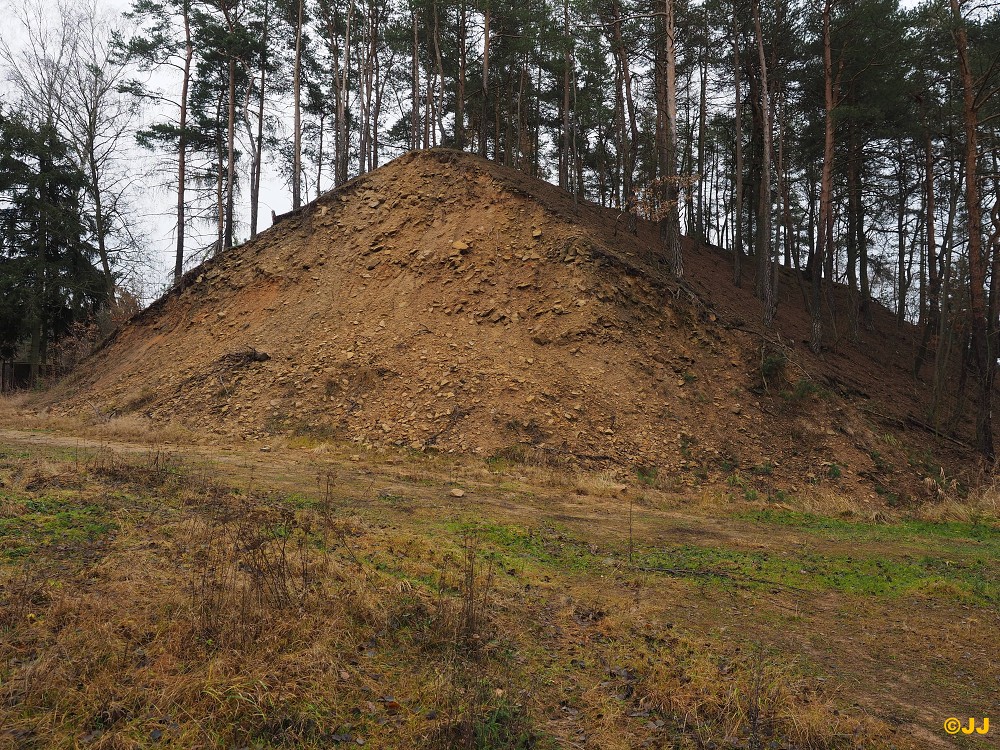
point(851, 141)
point(68, 246)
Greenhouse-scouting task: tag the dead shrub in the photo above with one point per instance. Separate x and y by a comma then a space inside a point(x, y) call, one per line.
point(25, 594)
point(461, 618)
point(153, 469)
point(487, 718)
point(253, 563)
point(479, 704)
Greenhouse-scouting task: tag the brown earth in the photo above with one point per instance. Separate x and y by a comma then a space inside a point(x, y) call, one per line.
point(447, 303)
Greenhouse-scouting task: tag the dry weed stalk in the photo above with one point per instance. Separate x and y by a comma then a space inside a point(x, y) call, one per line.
point(253, 562)
point(475, 593)
point(475, 682)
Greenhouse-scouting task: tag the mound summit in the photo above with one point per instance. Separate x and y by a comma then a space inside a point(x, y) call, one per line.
point(446, 302)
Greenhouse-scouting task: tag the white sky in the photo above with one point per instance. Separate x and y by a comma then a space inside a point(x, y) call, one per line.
point(154, 201)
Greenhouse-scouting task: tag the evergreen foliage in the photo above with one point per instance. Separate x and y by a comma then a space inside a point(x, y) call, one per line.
point(48, 275)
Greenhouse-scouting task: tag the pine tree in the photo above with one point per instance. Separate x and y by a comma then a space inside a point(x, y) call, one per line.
point(48, 275)
point(166, 41)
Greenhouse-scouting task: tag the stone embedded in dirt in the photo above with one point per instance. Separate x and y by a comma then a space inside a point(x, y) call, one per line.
point(457, 493)
point(460, 245)
point(536, 233)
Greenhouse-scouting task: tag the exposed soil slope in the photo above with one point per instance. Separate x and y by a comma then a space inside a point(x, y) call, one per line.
point(446, 302)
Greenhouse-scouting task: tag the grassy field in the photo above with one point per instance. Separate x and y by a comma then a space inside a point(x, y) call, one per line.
point(318, 596)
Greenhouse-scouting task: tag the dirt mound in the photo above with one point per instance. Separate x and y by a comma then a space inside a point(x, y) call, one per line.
point(445, 302)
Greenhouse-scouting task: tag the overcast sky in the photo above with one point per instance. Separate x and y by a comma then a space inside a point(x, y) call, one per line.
point(154, 201)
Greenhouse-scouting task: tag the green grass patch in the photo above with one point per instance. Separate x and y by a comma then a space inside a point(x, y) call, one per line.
point(970, 581)
point(805, 389)
point(507, 543)
point(51, 520)
point(981, 535)
point(504, 726)
point(301, 501)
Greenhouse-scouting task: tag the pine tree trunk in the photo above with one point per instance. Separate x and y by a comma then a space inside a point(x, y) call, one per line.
point(486, 82)
point(377, 113)
point(984, 360)
point(933, 277)
point(439, 105)
point(564, 150)
point(320, 155)
point(182, 145)
point(853, 208)
point(670, 231)
point(824, 230)
point(256, 168)
point(632, 149)
point(902, 287)
point(738, 138)
point(414, 88)
point(230, 155)
point(220, 190)
point(297, 125)
point(340, 104)
point(344, 90)
point(699, 221)
point(37, 311)
point(765, 271)
point(460, 94)
point(946, 331)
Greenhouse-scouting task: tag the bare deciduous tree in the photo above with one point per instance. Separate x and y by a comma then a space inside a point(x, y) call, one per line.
point(68, 72)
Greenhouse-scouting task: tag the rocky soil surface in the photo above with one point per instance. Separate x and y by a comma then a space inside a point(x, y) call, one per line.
point(447, 303)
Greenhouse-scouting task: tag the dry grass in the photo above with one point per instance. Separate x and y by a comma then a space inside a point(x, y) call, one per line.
point(752, 696)
point(982, 502)
point(207, 617)
point(833, 502)
point(18, 410)
point(12, 404)
point(213, 617)
point(599, 484)
point(133, 428)
point(938, 504)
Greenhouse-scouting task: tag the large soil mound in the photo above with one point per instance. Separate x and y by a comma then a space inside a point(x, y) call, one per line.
point(445, 302)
